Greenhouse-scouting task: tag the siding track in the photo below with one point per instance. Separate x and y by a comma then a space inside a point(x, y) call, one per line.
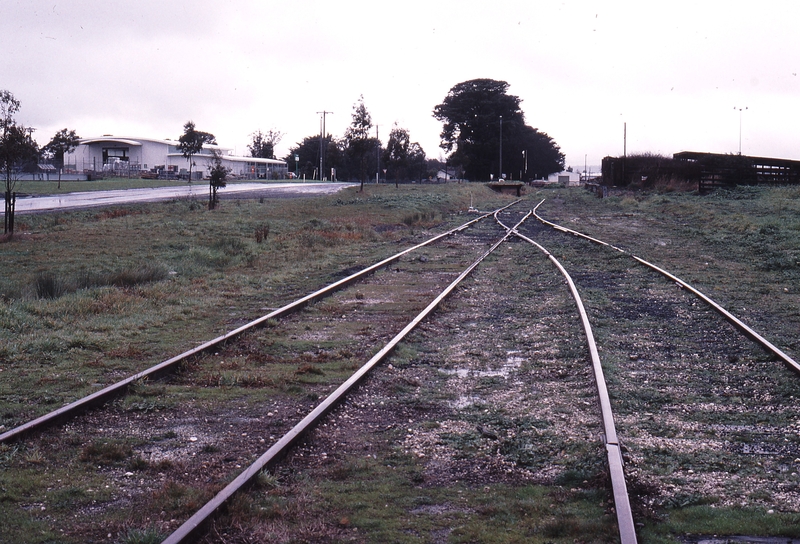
point(794, 365)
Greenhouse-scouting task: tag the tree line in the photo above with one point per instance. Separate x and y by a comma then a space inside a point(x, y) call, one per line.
point(359, 154)
point(484, 136)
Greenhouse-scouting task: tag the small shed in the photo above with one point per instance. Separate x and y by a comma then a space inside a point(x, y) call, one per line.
point(565, 178)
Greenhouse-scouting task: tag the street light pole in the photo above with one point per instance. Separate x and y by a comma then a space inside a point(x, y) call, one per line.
point(378, 155)
point(524, 165)
point(740, 127)
point(501, 149)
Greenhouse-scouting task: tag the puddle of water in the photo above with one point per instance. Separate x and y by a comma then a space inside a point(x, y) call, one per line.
point(463, 402)
point(512, 363)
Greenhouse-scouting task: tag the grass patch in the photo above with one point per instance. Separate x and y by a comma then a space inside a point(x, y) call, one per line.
point(716, 521)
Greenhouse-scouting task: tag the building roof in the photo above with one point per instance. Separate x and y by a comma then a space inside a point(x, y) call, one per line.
point(108, 139)
point(226, 152)
point(233, 158)
point(138, 142)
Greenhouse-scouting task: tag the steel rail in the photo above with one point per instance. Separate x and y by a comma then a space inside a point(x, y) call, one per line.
point(735, 321)
point(107, 393)
point(622, 505)
point(191, 529)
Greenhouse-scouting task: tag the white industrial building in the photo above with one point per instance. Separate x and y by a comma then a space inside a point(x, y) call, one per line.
point(146, 157)
point(566, 178)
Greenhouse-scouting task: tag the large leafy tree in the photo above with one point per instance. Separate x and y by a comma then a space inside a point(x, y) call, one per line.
point(403, 158)
point(359, 147)
point(63, 142)
point(531, 154)
point(476, 114)
point(262, 144)
point(191, 143)
point(17, 152)
point(307, 153)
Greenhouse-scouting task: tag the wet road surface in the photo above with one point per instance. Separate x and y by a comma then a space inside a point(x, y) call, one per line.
point(128, 196)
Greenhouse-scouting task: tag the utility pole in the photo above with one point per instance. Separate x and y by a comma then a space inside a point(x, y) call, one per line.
point(322, 136)
point(624, 149)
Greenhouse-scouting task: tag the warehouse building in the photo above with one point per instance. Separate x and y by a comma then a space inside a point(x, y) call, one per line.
point(149, 158)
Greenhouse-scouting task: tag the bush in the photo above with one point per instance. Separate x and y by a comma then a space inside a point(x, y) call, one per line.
point(47, 285)
point(262, 231)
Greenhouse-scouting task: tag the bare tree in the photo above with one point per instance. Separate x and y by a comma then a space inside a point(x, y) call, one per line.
point(17, 150)
point(359, 146)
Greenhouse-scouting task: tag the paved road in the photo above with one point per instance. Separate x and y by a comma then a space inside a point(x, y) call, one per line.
point(128, 196)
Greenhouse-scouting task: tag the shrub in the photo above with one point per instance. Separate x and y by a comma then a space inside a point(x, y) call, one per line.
point(262, 231)
point(47, 285)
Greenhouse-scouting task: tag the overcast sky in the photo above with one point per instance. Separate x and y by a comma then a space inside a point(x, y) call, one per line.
point(675, 71)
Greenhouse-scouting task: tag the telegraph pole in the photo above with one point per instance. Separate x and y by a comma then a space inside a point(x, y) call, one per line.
point(322, 135)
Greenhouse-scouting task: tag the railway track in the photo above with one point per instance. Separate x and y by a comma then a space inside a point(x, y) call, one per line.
point(485, 395)
point(143, 387)
point(189, 530)
point(735, 321)
point(707, 416)
point(170, 365)
point(622, 504)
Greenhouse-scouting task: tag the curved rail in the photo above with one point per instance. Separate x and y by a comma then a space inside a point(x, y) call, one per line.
point(736, 322)
point(104, 395)
point(627, 530)
point(191, 529)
